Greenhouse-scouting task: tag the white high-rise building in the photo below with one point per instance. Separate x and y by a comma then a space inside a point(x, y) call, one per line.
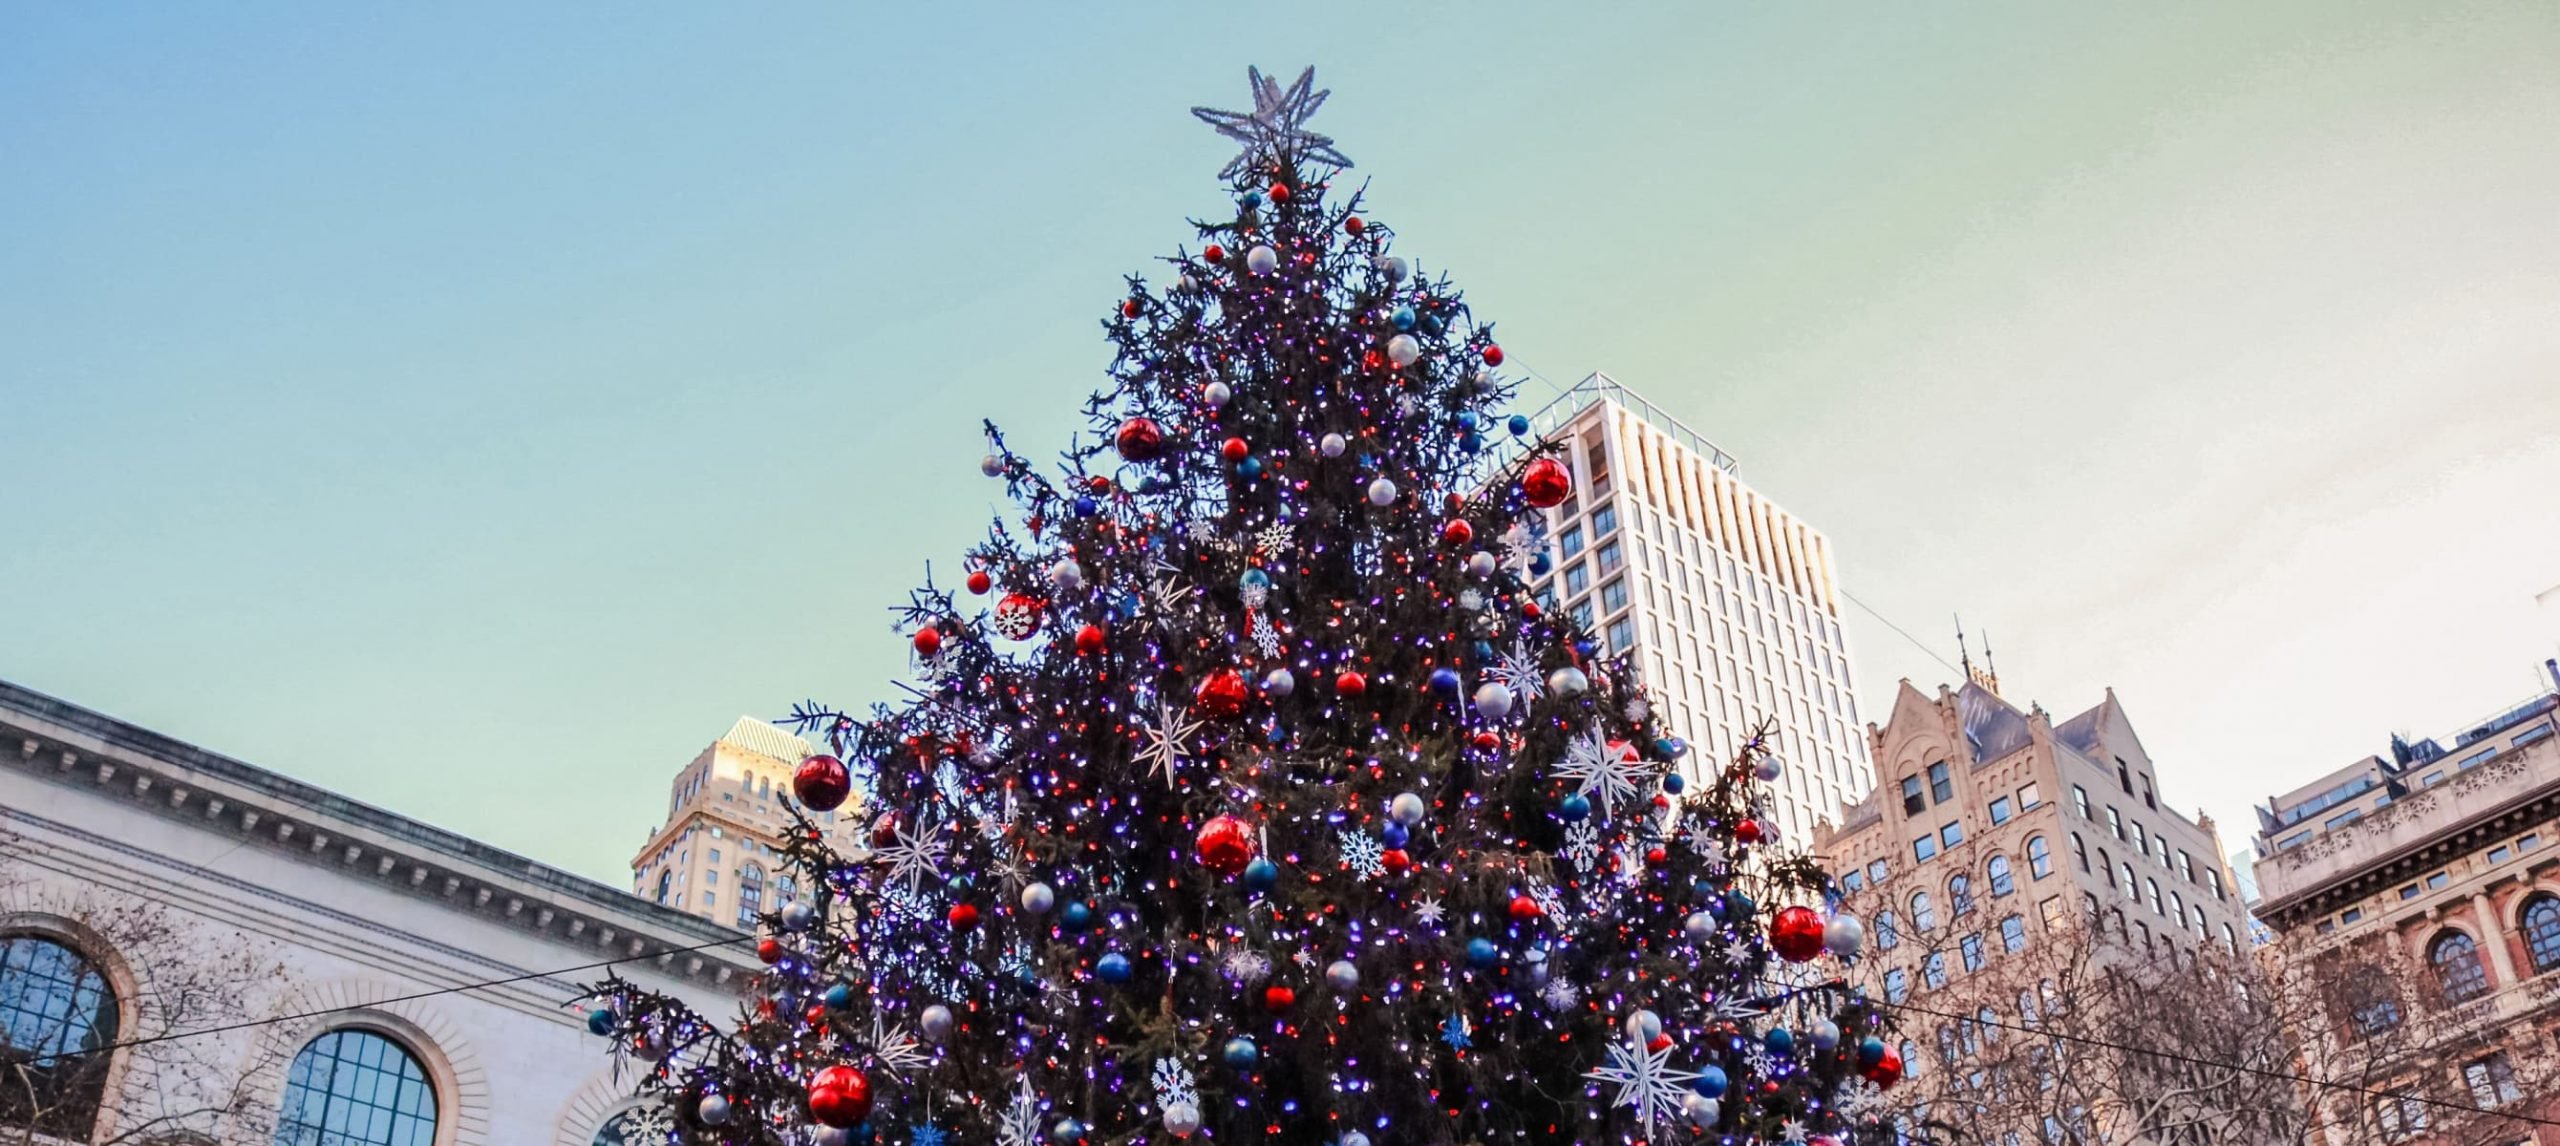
point(1728, 604)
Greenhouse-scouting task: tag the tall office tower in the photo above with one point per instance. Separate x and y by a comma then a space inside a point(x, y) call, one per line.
point(718, 854)
point(1727, 604)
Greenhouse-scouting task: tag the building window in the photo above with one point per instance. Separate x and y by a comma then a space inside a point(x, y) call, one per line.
point(1912, 804)
point(2186, 867)
point(2436, 882)
point(2542, 932)
point(56, 1011)
point(2115, 823)
point(2400, 1116)
point(1607, 558)
point(1960, 889)
point(1613, 596)
point(2124, 777)
point(2230, 942)
point(1972, 948)
point(2371, 1004)
point(2080, 800)
point(1942, 786)
point(2500, 854)
point(666, 883)
point(1886, 936)
point(2351, 915)
point(1569, 543)
point(2213, 877)
point(1924, 914)
point(2039, 858)
point(1877, 871)
point(2080, 851)
point(1897, 986)
point(2132, 890)
point(1951, 834)
point(2013, 934)
point(2002, 883)
point(2157, 908)
point(1577, 577)
point(750, 895)
point(1622, 634)
point(1924, 848)
point(356, 1088)
point(1852, 880)
point(2456, 962)
point(2492, 1080)
point(1603, 520)
point(2000, 812)
point(2177, 908)
point(2029, 799)
point(2050, 911)
point(1933, 970)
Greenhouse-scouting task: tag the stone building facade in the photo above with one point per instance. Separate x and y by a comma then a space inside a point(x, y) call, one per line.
point(718, 853)
point(2422, 890)
point(194, 950)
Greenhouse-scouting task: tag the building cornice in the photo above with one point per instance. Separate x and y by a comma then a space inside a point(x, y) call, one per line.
point(2410, 837)
point(64, 744)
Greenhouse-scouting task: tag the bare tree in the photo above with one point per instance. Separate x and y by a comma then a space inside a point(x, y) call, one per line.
point(92, 981)
point(2027, 1030)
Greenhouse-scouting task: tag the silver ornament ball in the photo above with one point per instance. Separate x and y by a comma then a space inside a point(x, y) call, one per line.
point(1403, 350)
point(1844, 936)
point(1826, 1035)
point(1700, 1109)
point(1182, 1119)
point(797, 916)
point(1038, 898)
point(1332, 445)
point(714, 1110)
point(1382, 492)
point(935, 1022)
point(1066, 575)
point(1406, 809)
point(1770, 767)
point(1217, 395)
point(991, 465)
point(1568, 681)
point(1643, 1026)
point(1343, 975)
point(1281, 682)
point(1261, 260)
point(1354, 1138)
point(1699, 927)
point(1493, 702)
point(1480, 564)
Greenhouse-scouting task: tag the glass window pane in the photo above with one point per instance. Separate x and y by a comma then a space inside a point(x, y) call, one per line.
point(356, 1088)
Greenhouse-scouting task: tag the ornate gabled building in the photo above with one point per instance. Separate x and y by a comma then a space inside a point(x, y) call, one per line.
point(2423, 891)
point(196, 950)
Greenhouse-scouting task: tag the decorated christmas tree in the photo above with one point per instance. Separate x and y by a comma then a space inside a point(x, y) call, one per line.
point(1246, 793)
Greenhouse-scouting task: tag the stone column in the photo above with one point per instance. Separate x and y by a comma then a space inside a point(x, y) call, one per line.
point(2494, 938)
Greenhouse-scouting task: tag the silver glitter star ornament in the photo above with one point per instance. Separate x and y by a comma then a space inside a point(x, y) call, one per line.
point(1277, 125)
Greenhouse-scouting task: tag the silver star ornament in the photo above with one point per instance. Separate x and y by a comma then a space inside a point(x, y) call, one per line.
point(1277, 125)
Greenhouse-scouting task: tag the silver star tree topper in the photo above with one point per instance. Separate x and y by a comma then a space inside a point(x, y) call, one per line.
point(1277, 125)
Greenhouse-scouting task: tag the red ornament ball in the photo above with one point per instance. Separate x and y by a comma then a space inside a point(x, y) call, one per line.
point(1139, 439)
point(1492, 355)
point(1660, 1043)
point(1350, 683)
point(1129, 308)
point(1234, 449)
point(964, 916)
point(769, 950)
point(1396, 861)
point(1354, 225)
point(840, 1096)
point(979, 582)
point(822, 783)
point(1279, 192)
point(1546, 483)
point(815, 1016)
point(1525, 908)
point(1214, 253)
point(1796, 934)
point(1487, 741)
point(1657, 855)
point(1278, 1000)
point(1220, 696)
point(1530, 610)
point(1088, 640)
point(1457, 532)
point(1017, 616)
point(928, 641)
point(1887, 1070)
point(1748, 831)
point(1223, 845)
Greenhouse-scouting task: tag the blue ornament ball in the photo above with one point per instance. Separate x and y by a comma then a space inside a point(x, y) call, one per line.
point(1519, 425)
point(1240, 1053)
point(1431, 324)
point(602, 1020)
point(1672, 783)
point(1112, 968)
point(1249, 468)
point(1444, 680)
point(1087, 507)
point(1870, 1051)
point(1710, 1081)
point(1254, 579)
point(1539, 564)
point(1585, 648)
point(1394, 834)
point(1471, 442)
point(1467, 420)
point(1252, 199)
point(1481, 952)
point(1575, 808)
point(1738, 906)
point(1403, 318)
point(1780, 1040)
point(839, 996)
point(1261, 875)
point(1076, 917)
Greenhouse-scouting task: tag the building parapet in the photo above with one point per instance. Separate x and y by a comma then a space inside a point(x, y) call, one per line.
point(2410, 834)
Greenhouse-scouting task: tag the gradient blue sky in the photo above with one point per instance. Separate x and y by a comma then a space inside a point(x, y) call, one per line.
point(475, 408)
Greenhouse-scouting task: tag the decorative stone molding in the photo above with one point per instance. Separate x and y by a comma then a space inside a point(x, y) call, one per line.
point(592, 1105)
point(451, 1064)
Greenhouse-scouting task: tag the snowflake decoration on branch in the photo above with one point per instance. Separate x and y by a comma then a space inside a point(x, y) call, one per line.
point(1174, 1084)
point(1582, 845)
point(1021, 1123)
point(1517, 671)
point(1165, 742)
point(1277, 125)
point(1615, 771)
point(1429, 912)
point(912, 855)
point(895, 1048)
point(1645, 1080)
point(1362, 853)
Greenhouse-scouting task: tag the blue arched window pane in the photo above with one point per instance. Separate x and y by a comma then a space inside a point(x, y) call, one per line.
point(56, 1014)
point(356, 1088)
point(615, 1131)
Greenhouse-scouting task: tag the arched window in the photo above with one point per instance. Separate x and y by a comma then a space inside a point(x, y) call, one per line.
point(2230, 942)
point(1910, 1059)
point(1933, 970)
point(2542, 932)
point(56, 1013)
point(2039, 858)
point(2013, 933)
point(2106, 866)
point(2157, 908)
point(2456, 960)
point(1990, 1021)
point(785, 889)
point(2080, 851)
point(1923, 915)
point(666, 884)
point(354, 1087)
point(2177, 910)
point(1960, 889)
point(620, 1130)
point(2132, 889)
point(2027, 1007)
point(750, 894)
point(2002, 883)
point(2371, 1004)
point(2198, 912)
point(1886, 936)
